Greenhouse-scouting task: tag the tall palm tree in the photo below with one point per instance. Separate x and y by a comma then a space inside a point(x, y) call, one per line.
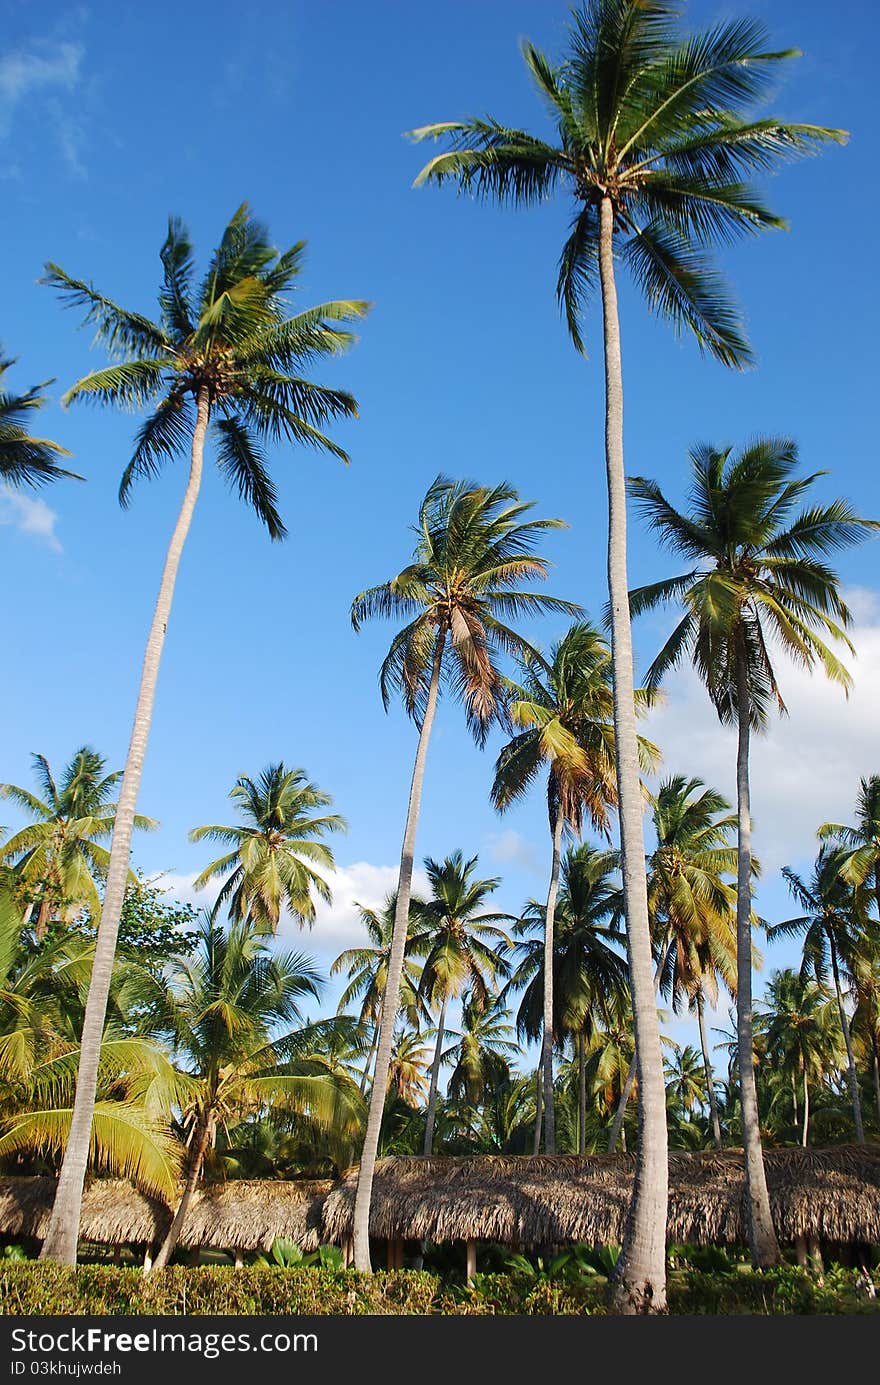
point(274, 857)
point(655, 133)
point(367, 972)
point(59, 860)
point(566, 707)
point(830, 926)
point(463, 946)
point(220, 1010)
point(589, 975)
point(757, 571)
point(26, 460)
point(475, 552)
point(226, 356)
point(800, 1033)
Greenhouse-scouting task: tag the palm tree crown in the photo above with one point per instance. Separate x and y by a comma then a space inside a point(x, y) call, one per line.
point(475, 550)
point(24, 459)
point(227, 343)
point(59, 859)
point(662, 126)
point(758, 572)
point(274, 858)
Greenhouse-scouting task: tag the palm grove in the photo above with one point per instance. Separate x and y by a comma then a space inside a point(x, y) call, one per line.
point(140, 1039)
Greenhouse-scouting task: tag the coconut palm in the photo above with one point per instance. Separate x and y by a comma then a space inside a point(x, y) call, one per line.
point(274, 858)
point(757, 574)
point(40, 1011)
point(686, 1078)
point(408, 1067)
point(59, 859)
point(481, 1058)
point(225, 356)
point(801, 1038)
point(474, 557)
point(861, 857)
point(830, 926)
point(655, 134)
point(367, 972)
point(589, 974)
point(691, 907)
point(463, 946)
point(26, 460)
point(566, 707)
point(220, 1010)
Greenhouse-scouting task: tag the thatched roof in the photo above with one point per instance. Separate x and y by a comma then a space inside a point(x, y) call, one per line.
point(833, 1194)
point(238, 1215)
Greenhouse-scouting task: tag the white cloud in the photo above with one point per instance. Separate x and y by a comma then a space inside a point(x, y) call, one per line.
point(40, 79)
point(806, 769)
point(44, 67)
point(511, 848)
point(337, 925)
point(31, 516)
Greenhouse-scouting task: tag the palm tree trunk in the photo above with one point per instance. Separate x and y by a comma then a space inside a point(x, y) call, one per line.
point(847, 1039)
point(547, 1036)
point(582, 1093)
point(63, 1230)
point(42, 921)
point(876, 1066)
point(372, 1053)
point(630, 1081)
point(707, 1067)
point(794, 1100)
point(806, 1130)
point(539, 1111)
point(640, 1273)
point(427, 1147)
point(762, 1236)
point(197, 1158)
point(364, 1194)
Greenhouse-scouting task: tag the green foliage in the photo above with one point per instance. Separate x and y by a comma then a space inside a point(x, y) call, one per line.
point(44, 1288)
point(287, 1255)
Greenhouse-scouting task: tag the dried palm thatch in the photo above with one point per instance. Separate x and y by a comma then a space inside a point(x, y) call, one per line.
point(831, 1194)
point(238, 1215)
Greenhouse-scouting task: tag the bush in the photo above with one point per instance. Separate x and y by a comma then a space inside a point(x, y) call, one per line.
point(46, 1289)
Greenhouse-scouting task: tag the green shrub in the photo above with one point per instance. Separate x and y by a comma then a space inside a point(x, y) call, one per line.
point(30, 1288)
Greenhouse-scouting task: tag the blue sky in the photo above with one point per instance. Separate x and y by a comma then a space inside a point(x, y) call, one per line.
point(114, 116)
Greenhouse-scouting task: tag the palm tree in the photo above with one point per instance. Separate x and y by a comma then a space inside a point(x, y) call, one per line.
point(272, 864)
point(474, 552)
point(367, 972)
point(567, 709)
point(24, 459)
point(686, 1078)
point(757, 571)
point(655, 133)
point(408, 1067)
point(464, 950)
point(830, 926)
point(220, 1010)
point(59, 860)
point(589, 975)
point(691, 908)
point(224, 355)
point(861, 861)
point(800, 1034)
point(40, 1010)
point(481, 1058)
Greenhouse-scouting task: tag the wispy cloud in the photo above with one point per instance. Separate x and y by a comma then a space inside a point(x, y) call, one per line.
point(31, 516)
point(41, 74)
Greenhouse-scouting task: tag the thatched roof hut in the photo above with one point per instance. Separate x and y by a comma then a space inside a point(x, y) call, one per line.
point(238, 1215)
point(833, 1195)
point(830, 1195)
